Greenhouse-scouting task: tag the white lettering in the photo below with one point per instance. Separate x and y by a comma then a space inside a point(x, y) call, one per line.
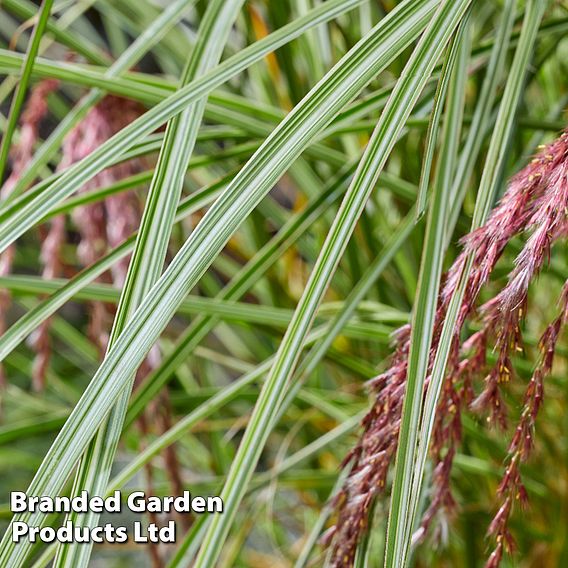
point(19, 529)
point(18, 501)
point(136, 502)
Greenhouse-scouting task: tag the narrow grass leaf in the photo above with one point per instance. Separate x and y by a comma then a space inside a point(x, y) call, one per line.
point(482, 113)
point(489, 184)
point(149, 255)
point(453, 121)
point(20, 94)
point(426, 299)
point(393, 118)
point(432, 138)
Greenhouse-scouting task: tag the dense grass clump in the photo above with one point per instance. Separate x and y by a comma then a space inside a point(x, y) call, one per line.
point(307, 256)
